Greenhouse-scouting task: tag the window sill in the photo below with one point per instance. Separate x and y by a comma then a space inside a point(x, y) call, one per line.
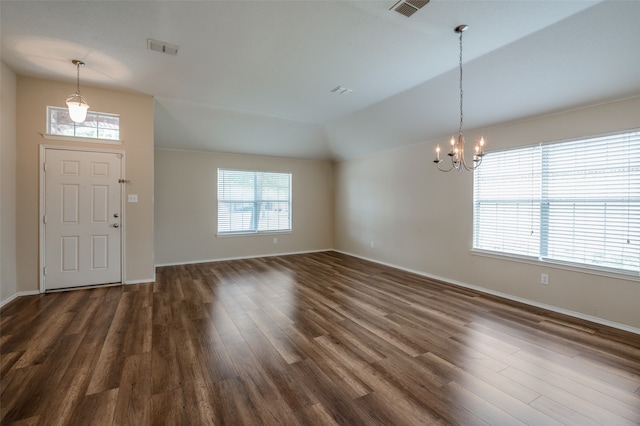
point(631, 276)
point(80, 139)
point(252, 234)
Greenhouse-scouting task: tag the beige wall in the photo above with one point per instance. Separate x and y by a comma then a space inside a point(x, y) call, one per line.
point(186, 213)
point(421, 219)
point(136, 129)
point(8, 275)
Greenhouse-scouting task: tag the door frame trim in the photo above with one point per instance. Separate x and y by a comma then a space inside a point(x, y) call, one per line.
point(41, 230)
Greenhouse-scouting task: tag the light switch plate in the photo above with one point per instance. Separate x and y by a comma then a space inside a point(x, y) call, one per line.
point(133, 198)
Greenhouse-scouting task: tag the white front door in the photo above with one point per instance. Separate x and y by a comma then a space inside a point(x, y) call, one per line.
point(82, 218)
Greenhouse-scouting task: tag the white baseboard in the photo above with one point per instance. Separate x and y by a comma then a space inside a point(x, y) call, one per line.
point(552, 308)
point(193, 262)
point(19, 294)
point(142, 281)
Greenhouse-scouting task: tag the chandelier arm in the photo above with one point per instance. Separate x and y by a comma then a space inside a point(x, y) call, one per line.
point(474, 166)
point(445, 170)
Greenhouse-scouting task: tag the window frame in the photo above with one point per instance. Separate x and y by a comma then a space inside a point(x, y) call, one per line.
point(257, 204)
point(545, 224)
point(83, 138)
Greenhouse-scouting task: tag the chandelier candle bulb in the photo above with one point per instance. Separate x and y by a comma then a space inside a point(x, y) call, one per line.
point(438, 153)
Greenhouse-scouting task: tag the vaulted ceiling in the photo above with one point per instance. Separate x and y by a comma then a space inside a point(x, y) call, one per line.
point(256, 76)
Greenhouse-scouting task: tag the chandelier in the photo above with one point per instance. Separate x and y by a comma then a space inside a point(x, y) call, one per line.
point(77, 105)
point(458, 160)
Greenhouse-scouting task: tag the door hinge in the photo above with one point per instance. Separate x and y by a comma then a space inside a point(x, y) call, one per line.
point(44, 271)
point(44, 167)
point(44, 219)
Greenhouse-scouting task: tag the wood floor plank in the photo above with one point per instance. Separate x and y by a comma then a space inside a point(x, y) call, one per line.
point(500, 396)
point(591, 389)
point(98, 407)
point(403, 390)
point(572, 397)
point(35, 392)
point(63, 411)
point(401, 412)
point(335, 401)
point(562, 413)
point(31, 421)
point(292, 390)
point(308, 339)
point(316, 415)
point(133, 406)
point(169, 408)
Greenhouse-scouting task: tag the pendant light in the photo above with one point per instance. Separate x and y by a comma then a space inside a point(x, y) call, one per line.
point(77, 104)
point(458, 161)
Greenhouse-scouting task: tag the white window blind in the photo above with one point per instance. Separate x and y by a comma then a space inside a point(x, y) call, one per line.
point(573, 202)
point(251, 201)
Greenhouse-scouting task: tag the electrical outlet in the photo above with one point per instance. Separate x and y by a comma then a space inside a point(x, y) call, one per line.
point(544, 278)
point(372, 244)
point(275, 241)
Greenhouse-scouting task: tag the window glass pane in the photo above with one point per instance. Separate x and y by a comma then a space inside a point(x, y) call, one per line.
point(86, 131)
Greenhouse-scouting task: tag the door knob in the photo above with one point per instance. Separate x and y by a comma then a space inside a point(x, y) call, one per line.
point(116, 225)
point(116, 215)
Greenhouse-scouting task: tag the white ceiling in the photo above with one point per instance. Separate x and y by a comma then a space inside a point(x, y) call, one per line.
point(255, 76)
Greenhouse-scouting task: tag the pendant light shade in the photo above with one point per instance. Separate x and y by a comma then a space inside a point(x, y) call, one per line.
point(77, 104)
point(77, 108)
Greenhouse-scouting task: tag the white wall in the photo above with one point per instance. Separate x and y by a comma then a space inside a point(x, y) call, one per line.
point(186, 213)
point(8, 272)
point(421, 219)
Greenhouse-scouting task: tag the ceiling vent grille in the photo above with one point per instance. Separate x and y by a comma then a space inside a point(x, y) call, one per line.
point(341, 90)
point(409, 7)
point(162, 47)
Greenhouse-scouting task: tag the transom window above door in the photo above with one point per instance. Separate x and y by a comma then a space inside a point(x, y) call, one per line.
point(97, 125)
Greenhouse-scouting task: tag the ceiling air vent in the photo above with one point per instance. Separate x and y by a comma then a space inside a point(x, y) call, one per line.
point(341, 90)
point(409, 7)
point(162, 47)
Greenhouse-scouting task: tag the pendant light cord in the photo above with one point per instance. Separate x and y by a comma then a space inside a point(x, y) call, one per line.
point(78, 78)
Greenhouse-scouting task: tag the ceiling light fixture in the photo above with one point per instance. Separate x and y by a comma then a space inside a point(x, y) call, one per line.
point(458, 162)
point(77, 105)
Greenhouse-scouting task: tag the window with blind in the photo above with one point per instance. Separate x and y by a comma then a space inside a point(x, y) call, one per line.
point(575, 203)
point(252, 202)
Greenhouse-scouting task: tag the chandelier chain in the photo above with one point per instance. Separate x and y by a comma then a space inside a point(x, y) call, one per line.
point(461, 92)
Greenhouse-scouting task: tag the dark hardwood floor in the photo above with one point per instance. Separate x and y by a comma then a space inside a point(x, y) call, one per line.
point(311, 339)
